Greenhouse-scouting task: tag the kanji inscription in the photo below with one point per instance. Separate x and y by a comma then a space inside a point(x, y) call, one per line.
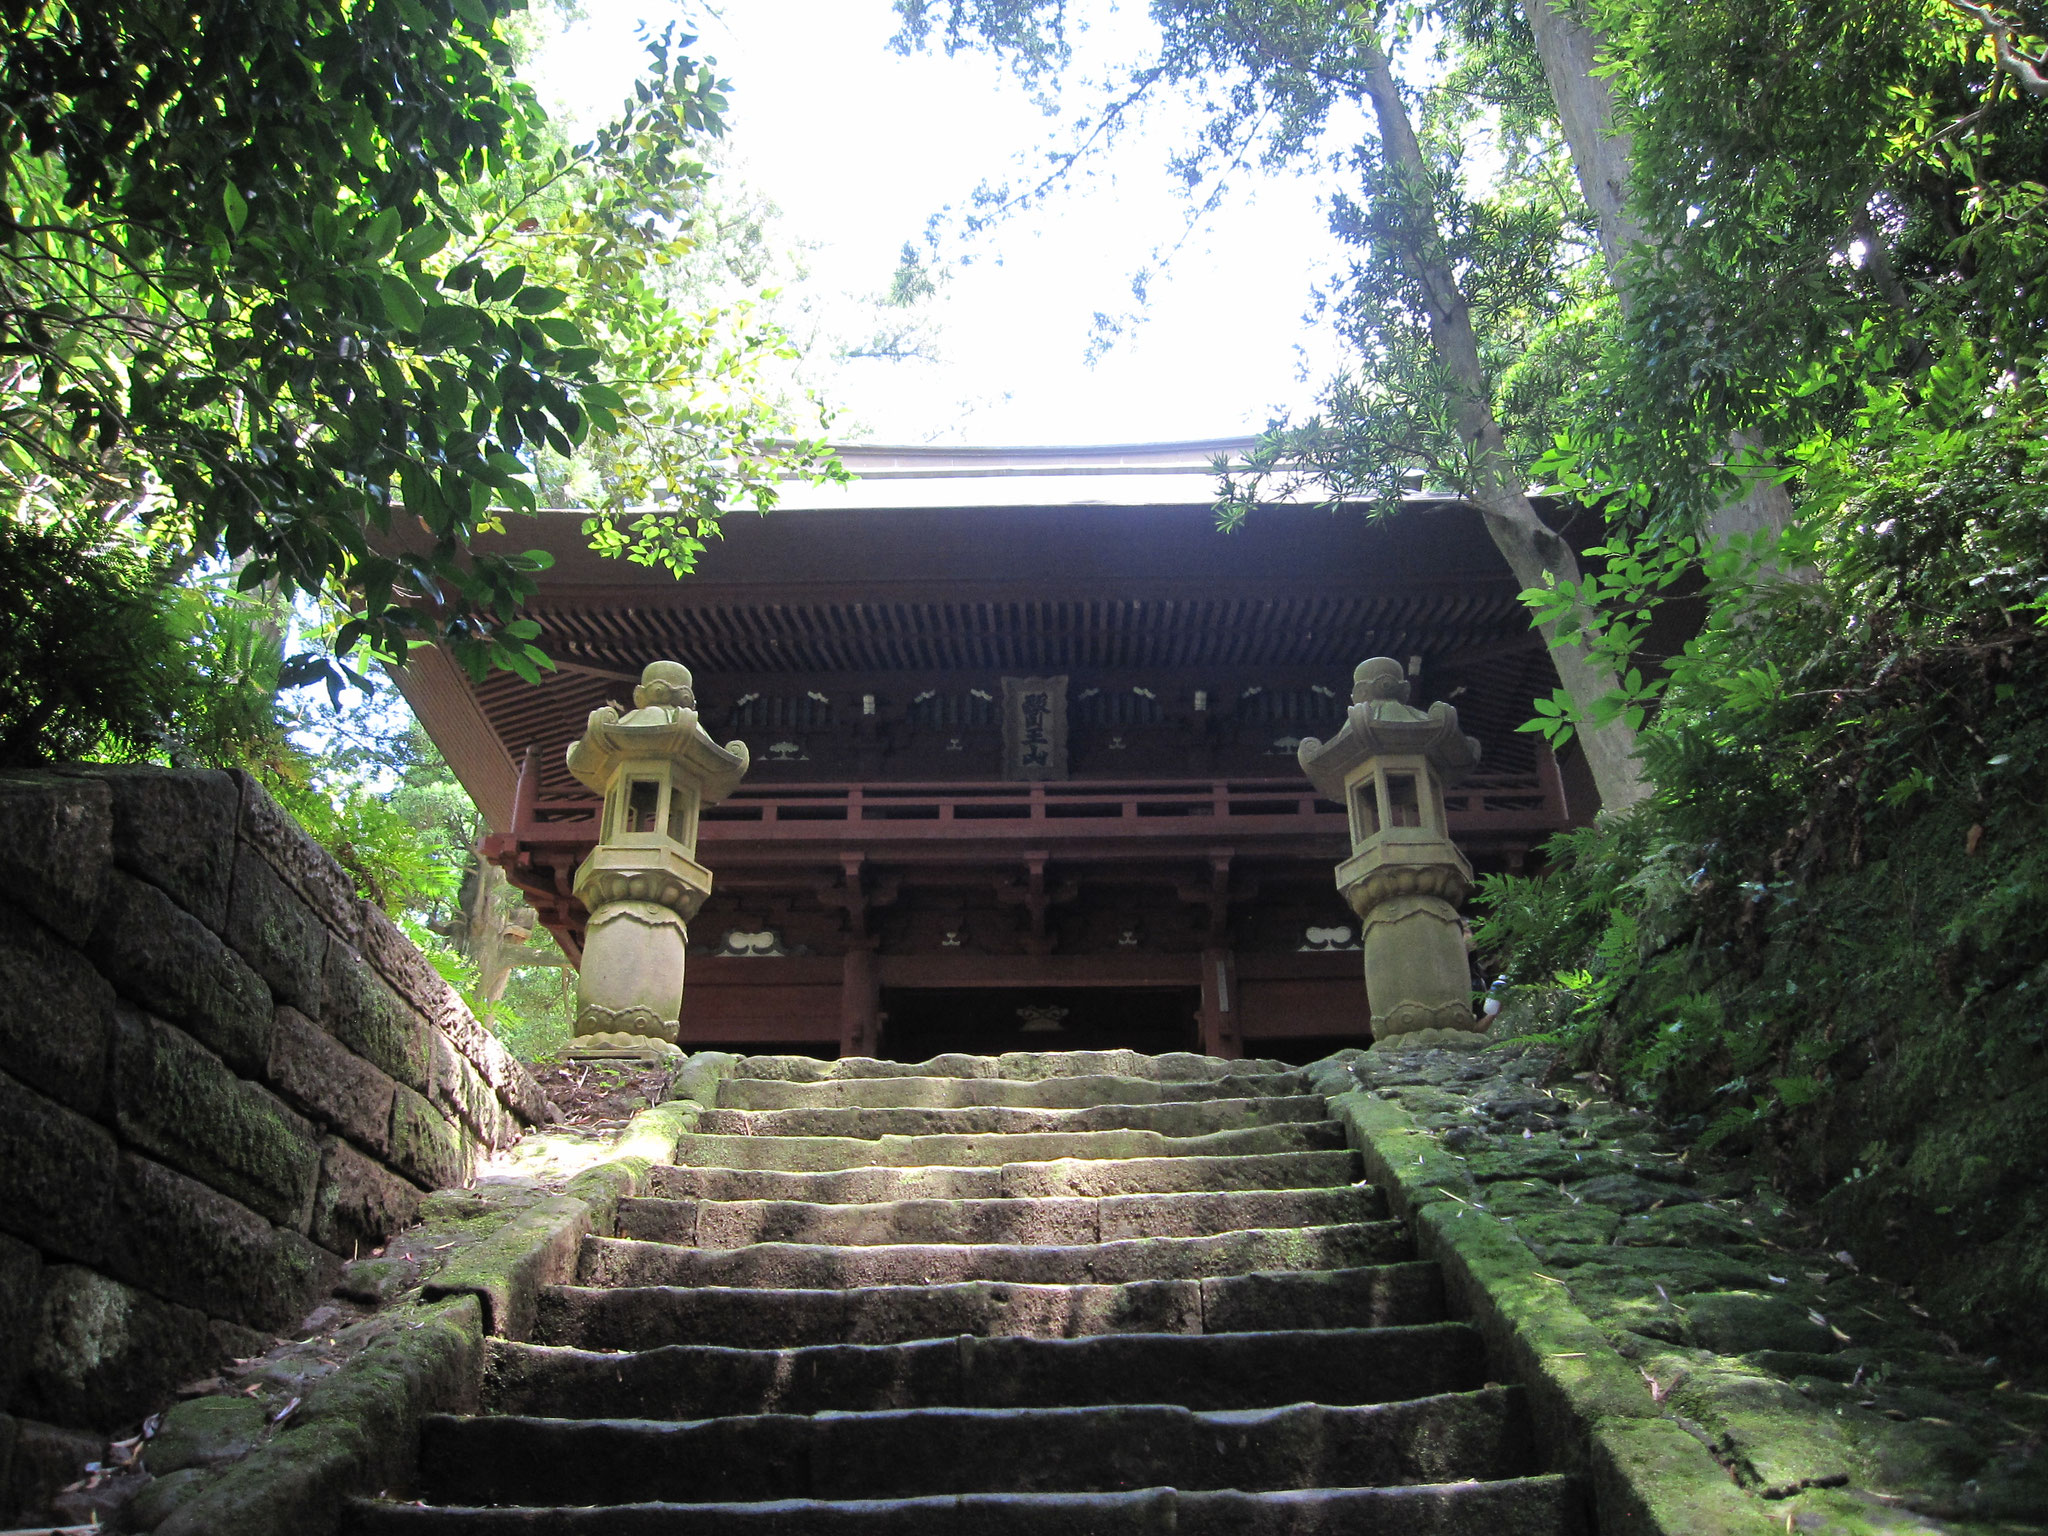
point(1034, 728)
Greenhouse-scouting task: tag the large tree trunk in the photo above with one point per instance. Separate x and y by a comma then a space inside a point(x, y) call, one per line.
point(495, 944)
point(1534, 551)
point(1602, 154)
point(1569, 49)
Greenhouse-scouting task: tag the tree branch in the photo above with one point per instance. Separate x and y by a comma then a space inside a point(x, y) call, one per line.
point(2030, 71)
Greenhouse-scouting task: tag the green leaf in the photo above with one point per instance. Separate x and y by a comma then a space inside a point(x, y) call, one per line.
point(381, 231)
point(402, 304)
point(235, 206)
point(423, 242)
point(538, 301)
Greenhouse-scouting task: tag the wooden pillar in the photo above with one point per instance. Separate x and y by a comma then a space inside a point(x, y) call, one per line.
point(1220, 1035)
point(860, 1003)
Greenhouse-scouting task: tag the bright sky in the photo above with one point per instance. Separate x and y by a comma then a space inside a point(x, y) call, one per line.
point(859, 148)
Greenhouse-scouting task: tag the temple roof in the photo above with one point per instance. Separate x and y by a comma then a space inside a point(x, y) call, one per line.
point(1082, 560)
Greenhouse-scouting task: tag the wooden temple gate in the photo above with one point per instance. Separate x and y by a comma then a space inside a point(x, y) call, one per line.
point(886, 882)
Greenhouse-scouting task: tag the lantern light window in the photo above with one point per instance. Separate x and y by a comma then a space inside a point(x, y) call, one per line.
point(1404, 807)
point(643, 800)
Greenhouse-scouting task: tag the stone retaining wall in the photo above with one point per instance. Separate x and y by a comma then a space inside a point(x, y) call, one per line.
point(221, 1075)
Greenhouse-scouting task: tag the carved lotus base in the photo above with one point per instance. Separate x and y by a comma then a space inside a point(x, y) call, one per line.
point(1445, 881)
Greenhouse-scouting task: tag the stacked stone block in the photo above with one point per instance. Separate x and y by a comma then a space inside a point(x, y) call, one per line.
point(221, 1075)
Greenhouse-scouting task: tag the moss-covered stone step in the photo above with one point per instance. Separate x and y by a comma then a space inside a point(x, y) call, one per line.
point(822, 1154)
point(1180, 1118)
point(1225, 1370)
point(1055, 1219)
point(1077, 1178)
point(1023, 1066)
point(645, 1317)
point(1529, 1506)
point(819, 1266)
point(963, 1092)
point(905, 1453)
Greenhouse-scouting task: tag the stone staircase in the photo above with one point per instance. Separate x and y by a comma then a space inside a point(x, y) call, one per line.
point(1031, 1295)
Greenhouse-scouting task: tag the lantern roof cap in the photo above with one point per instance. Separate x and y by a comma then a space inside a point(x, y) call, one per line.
point(663, 724)
point(1380, 722)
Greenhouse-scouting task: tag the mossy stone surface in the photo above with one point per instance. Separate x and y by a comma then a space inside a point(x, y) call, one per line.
point(175, 828)
point(360, 1202)
point(165, 960)
point(364, 1014)
point(105, 1353)
point(356, 1431)
point(329, 1082)
point(206, 1432)
point(178, 1101)
point(21, 1285)
point(1739, 1322)
point(56, 845)
point(272, 928)
point(174, 1235)
point(56, 1013)
point(60, 1174)
point(425, 1145)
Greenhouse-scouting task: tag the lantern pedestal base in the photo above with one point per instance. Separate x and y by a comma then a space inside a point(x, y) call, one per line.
point(617, 1045)
point(631, 982)
point(1416, 974)
point(1433, 1040)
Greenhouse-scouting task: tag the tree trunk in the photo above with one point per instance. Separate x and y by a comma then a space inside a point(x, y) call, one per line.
point(1603, 156)
point(486, 938)
point(1569, 49)
point(1532, 549)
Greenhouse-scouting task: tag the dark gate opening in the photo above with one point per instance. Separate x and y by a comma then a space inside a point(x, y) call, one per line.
point(921, 1022)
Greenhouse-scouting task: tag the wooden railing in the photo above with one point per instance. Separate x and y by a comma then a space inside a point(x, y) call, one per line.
point(790, 812)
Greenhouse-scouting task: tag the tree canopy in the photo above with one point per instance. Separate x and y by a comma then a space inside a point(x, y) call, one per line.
point(1759, 285)
point(275, 274)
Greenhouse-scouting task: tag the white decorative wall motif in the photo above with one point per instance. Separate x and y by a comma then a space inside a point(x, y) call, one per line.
point(787, 752)
point(1337, 937)
point(751, 944)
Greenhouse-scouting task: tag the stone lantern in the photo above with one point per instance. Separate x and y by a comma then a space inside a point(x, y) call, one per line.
point(656, 768)
point(1389, 766)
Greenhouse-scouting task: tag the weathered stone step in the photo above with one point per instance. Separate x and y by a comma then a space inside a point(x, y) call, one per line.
point(1024, 1066)
point(1055, 1219)
point(906, 1453)
point(1224, 1370)
point(1529, 1506)
point(819, 1266)
point(645, 1317)
point(823, 1154)
point(964, 1092)
point(1200, 1118)
point(1076, 1178)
